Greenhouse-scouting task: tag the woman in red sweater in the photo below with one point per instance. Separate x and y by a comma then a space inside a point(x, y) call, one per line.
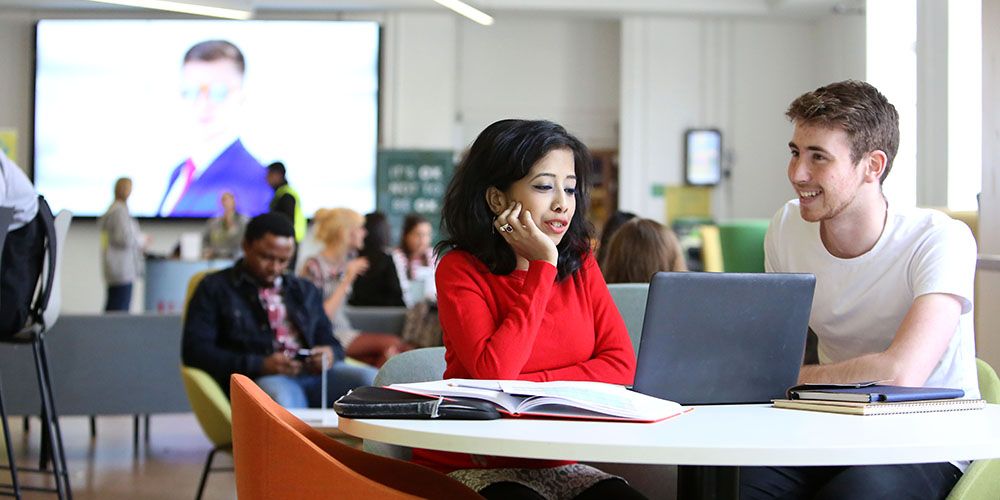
point(520, 295)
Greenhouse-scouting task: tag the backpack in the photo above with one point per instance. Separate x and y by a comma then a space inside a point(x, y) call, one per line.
point(24, 297)
point(422, 328)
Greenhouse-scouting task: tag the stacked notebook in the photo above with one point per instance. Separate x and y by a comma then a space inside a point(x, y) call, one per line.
point(872, 398)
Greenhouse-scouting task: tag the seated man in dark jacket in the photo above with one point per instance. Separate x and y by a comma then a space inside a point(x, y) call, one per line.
point(254, 319)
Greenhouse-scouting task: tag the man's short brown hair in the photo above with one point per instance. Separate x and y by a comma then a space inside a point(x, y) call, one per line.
point(216, 50)
point(870, 120)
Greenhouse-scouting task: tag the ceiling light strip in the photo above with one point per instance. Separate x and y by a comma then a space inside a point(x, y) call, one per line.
point(186, 8)
point(467, 11)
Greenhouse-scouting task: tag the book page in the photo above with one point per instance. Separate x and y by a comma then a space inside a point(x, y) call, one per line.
point(609, 399)
point(517, 397)
point(478, 389)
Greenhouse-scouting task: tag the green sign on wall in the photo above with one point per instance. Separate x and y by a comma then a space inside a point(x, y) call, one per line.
point(412, 181)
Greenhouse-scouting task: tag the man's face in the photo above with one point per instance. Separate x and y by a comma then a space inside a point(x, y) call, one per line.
point(822, 174)
point(275, 180)
point(268, 257)
point(214, 91)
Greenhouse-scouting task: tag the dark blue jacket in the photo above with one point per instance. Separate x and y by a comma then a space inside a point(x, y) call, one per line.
point(226, 329)
point(236, 171)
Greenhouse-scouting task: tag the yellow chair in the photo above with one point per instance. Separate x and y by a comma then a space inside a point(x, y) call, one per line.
point(209, 403)
point(211, 407)
point(711, 249)
point(981, 480)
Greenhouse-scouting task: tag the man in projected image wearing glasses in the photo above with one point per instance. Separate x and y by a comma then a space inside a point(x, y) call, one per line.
point(212, 90)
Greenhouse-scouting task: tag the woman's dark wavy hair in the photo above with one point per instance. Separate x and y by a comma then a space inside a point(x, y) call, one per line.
point(409, 223)
point(502, 154)
point(378, 237)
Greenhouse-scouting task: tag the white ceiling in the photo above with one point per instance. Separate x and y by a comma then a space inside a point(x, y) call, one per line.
point(792, 8)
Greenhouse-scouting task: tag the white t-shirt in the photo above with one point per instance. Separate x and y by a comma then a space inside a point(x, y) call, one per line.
point(859, 303)
point(16, 191)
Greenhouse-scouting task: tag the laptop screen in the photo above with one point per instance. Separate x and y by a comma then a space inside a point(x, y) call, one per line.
point(723, 338)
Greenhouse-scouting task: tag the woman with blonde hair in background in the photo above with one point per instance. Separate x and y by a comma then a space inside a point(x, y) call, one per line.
point(122, 247)
point(333, 270)
point(639, 249)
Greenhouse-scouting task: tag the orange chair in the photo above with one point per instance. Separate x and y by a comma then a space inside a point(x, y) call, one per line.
point(277, 456)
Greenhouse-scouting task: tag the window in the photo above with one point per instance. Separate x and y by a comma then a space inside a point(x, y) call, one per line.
point(892, 59)
point(892, 67)
point(965, 104)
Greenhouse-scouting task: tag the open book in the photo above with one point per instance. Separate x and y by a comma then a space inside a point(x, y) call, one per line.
point(584, 400)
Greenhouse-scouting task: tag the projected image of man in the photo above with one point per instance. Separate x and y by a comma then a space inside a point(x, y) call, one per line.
point(212, 89)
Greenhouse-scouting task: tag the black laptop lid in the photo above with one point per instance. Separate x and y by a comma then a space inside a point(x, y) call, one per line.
point(712, 338)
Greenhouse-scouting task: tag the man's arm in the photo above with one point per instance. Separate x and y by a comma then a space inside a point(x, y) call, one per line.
point(200, 347)
point(920, 341)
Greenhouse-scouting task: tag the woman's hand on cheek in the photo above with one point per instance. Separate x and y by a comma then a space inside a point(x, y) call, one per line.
point(527, 240)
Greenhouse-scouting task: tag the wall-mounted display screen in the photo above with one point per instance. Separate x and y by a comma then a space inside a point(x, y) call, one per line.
point(703, 157)
point(191, 109)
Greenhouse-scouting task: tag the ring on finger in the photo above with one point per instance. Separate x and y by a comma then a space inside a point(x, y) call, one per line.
point(506, 228)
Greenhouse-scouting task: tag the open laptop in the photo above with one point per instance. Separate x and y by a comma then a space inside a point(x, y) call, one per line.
point(718, 338)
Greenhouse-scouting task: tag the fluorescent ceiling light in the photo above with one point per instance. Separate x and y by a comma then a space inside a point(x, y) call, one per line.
point(467, 11)
point(187, 8)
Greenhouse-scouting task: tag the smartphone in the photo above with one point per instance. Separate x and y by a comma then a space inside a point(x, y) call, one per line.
point(303, 354)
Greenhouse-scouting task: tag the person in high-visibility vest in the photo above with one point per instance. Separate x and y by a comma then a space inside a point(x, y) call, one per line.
point(286, 201)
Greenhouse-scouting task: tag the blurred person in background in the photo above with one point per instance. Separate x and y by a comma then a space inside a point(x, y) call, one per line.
point(256, 319)
point(286, 201)
point(223, 234)
point(380, 285)
point(639, 249)
point(414, 259)
point(122, 246)
point(615, 221)
point(334, 270)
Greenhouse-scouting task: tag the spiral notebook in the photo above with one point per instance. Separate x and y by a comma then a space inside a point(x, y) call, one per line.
point(881, 408)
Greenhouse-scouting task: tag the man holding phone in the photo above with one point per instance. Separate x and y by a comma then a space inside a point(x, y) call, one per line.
point(256, 320)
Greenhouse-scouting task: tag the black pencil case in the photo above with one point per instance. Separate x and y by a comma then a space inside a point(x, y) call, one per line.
point(380, 402)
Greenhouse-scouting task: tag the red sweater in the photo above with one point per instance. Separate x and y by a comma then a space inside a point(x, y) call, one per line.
point(526, 326)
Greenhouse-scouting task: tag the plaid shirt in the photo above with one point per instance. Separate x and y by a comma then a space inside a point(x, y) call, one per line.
point(285, 337)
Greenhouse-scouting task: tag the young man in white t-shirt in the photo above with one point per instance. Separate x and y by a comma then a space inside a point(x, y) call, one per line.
point(894, 285)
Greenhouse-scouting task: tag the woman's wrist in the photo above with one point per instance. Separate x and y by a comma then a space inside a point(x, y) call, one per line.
point(546, 261)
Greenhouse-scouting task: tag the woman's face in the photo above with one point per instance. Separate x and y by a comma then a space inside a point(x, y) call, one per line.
point(356, 237)
point(418, 240)
point(228, 203)
point(549, 193)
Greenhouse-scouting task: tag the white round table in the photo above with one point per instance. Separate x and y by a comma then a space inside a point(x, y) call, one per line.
point(719, 437)
point(712, 435)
